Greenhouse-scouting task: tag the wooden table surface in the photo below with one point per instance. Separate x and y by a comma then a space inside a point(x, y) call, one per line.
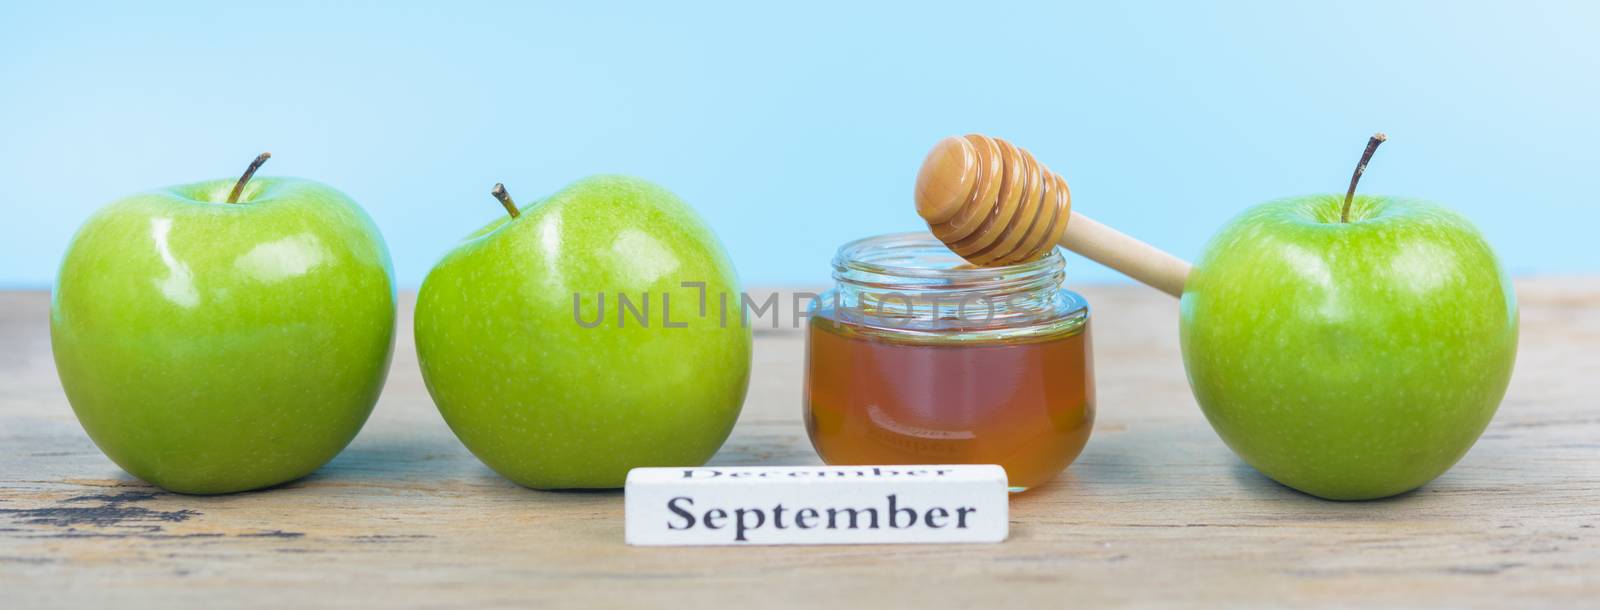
point(1157, 512)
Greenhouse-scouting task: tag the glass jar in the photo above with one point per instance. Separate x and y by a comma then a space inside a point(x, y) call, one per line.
point(917, 357)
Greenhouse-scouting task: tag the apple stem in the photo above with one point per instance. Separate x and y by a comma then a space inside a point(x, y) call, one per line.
point(238, 187)
point(1366, 155)
point(499, 192)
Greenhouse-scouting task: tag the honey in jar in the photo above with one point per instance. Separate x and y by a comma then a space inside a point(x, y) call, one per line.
point(916, 357)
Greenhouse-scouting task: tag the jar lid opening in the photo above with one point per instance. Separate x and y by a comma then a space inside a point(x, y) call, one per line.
point(920, 259)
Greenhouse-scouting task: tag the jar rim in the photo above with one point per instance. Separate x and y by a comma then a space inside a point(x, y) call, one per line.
point(912, 284)
point(865, 255)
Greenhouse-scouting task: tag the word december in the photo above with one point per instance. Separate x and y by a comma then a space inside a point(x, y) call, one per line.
point(834, 473)
point(746, 519)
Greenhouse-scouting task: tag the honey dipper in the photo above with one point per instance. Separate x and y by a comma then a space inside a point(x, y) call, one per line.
point(993, 204)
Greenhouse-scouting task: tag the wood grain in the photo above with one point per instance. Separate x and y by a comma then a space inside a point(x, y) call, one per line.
point(1157, 512)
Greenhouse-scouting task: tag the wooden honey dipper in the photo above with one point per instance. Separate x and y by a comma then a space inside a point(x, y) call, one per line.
point(994, 204)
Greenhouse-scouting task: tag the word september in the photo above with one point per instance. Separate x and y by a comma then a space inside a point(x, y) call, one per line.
point(746, 519)
point(737, 505)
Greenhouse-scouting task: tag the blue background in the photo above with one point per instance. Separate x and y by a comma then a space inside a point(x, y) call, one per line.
point(793, 128)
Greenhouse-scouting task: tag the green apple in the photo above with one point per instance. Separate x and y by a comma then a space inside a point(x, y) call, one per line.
point(1350, 358)
point(552, 382)
point(212, 343)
